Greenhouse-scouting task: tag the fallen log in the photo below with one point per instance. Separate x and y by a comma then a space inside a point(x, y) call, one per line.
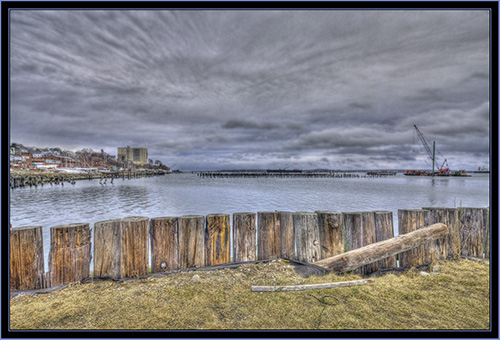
point(381, 250)
point(311, 286)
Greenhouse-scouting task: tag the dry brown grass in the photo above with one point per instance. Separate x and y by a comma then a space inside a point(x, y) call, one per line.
point(457, 298)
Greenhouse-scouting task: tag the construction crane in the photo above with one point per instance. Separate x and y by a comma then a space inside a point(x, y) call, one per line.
point(432, 154)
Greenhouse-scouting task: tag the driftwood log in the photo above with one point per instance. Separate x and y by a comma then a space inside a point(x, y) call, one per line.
point(381, 250)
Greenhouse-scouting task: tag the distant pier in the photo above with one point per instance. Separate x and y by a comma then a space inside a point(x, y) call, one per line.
point(35, 179)
point(210, 174)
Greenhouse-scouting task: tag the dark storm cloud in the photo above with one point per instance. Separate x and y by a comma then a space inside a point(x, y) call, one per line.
point(250, 89)
point(245, 124)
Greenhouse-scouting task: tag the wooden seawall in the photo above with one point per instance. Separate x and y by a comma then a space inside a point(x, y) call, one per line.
point(122, 246)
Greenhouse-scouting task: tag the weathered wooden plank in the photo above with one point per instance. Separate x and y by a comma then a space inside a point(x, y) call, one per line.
point(107, 249)
point(287, 235)
point(307, 236)
point(134, 246)
point(191, 241)
point(217, 241)
point(377, 251)
point(311, 286)
point(352, 230)
point(360, 231)
point(450, 246)
point(384, 230)
point(410, 220)
point(486, 232)
point(268, 235)
point(244, 237)
point(26, 258)
point(369, 237)
point(70, 253)
point(331, 232)
point(164, 233)
point(472, 231)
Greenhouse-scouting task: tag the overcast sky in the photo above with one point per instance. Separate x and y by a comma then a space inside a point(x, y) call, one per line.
point(208, 90)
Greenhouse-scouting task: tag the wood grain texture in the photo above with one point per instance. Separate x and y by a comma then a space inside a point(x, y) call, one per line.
point(307, 236)
point(191, 241)
point(164, 234)
point(287, 235)
point(134, 246)
point(359, 232)
point(352, 230)
point(450, 245)
point(70, 253)
point(244, 237)
point(217, 241)
point(471, 231)
point(26, 258)
point(410, 220)
point(369, 237)
point(486, 231)
point(380, 250)
point(331, 231)
point(268, 235)
point(107, 249)
point(384, 230)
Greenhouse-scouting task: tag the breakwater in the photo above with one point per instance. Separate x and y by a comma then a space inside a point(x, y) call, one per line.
point(210, 174)
point(34, 179)
point(122, 246)
point(293, 174)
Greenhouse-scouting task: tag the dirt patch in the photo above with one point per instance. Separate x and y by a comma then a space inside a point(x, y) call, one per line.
point(455, 298)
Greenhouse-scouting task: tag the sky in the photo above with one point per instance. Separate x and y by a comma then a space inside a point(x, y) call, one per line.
point(247, 89)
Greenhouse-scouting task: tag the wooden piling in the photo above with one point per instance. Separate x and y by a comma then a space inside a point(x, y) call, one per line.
point(384, 230)
point(307, 236)
point(287, 235)
point(164, 233)
point(331, 231)
point(244, 237)
point(217, 241)
point(450, 246)
point(191, 241)
point(26, 258)
point(352, 230)
point(410, 220)
point(121, 247)
point(70, 253)
point(486, 232)
point(369, 237)
point(107, 249)
point(360, 232)
point(472, 231)
point(134, 246)
point(268, 235)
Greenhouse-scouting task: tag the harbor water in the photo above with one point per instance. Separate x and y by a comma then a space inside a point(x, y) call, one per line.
point(88, 201)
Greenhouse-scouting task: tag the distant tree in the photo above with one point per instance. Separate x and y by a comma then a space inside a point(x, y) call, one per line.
point(159, 163)
point(150, 161)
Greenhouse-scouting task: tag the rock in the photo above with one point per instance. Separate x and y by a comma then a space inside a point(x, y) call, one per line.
point(424, 273)
point(436, 269)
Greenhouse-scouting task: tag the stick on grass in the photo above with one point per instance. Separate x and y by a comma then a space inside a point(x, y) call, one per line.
point(309, 287)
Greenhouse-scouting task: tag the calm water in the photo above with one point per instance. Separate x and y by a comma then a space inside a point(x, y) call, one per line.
point(183, 194)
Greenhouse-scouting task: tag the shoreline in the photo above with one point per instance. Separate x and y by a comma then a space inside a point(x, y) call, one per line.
point(19, 179)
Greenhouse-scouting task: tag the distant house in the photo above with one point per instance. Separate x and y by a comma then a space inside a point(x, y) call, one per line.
point(136, 155)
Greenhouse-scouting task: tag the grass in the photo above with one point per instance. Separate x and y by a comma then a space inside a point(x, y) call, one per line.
point(456, 298)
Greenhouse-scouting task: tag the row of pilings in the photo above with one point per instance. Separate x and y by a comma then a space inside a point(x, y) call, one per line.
point(19, 180)
point(210, 174)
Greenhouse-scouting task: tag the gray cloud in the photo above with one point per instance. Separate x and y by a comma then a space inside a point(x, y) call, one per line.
point(250, 89)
